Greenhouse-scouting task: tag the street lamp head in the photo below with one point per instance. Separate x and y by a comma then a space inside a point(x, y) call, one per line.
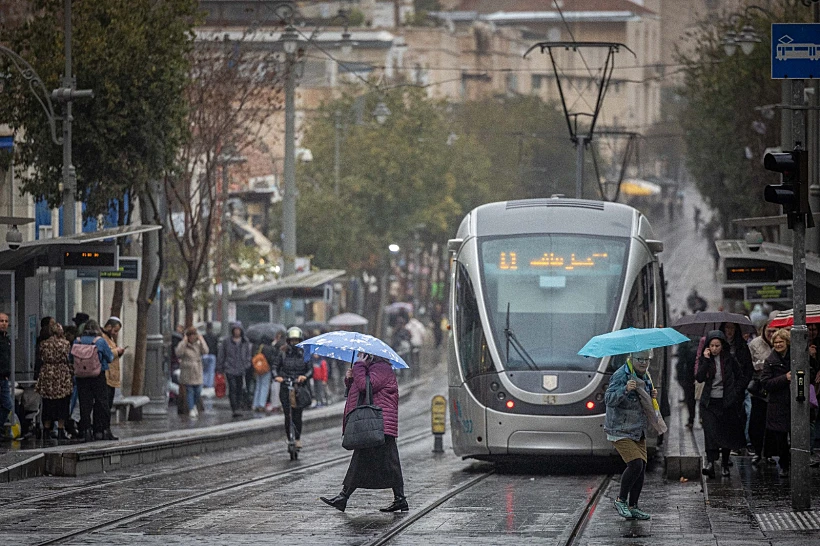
point(346, 44)
point(729, 43)
point(747, 39)
point(290, 40)
point(381, 113)
point(393, 248)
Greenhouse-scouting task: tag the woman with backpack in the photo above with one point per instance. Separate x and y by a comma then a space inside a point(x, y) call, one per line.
point(90, 356)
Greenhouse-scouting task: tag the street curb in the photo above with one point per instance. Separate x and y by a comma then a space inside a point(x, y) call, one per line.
point(85, 459)
point(29, 468)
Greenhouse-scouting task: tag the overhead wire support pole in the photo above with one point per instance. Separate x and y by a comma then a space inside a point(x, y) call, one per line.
point(582, 140)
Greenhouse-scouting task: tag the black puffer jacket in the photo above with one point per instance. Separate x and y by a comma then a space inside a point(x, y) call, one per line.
point(734, 381)
point(291, 363)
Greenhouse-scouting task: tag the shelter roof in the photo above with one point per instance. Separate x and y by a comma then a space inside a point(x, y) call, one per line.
point(540, 6)
point(29, 250)
point(307, 280)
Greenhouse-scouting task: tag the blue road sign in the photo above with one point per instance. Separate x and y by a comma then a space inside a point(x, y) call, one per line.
point(795, 51)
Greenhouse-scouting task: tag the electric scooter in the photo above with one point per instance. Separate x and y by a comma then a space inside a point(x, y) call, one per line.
point(293, 451)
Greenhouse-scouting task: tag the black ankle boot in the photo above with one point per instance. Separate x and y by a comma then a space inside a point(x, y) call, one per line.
point(399, 504)
point(709, 470)
point(339, 502)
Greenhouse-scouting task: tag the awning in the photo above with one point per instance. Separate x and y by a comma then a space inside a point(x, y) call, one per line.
point(639, 188)
point(30, 250)
point(306, 281)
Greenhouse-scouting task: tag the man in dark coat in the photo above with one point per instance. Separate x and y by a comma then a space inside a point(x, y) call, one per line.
point(234, 359)
point(6, 401)
point(291, 365)
point(685, 374)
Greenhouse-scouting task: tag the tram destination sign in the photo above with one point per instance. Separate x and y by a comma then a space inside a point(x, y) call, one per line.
point(795, 51)
point(769, 292)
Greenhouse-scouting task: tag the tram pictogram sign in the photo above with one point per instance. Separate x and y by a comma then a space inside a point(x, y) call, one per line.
point(795, 51)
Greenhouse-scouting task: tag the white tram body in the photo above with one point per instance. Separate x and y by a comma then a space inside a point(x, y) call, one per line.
point(532, 281)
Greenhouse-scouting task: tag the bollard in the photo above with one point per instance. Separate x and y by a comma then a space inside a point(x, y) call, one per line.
point(438, 412)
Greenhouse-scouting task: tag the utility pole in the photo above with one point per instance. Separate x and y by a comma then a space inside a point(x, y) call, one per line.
point(580, 143)
point(226, 158)
point(800, 372)
point(337, 150)
point(67, 93)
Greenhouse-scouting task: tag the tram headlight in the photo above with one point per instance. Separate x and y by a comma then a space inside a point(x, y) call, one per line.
point(590, 405)
point(493, 386)
point(510, 404)
point(500, 395)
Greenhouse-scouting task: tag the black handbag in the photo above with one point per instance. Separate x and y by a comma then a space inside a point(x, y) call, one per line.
point(364, 425)
point(302, 396)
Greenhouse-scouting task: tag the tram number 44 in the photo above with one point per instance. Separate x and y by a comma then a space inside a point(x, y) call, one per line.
point(549, 399)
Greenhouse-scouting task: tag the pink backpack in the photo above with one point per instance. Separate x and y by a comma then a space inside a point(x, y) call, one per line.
point(86, 359)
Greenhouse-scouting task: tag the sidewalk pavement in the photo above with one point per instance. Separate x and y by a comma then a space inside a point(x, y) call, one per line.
point(751, 507)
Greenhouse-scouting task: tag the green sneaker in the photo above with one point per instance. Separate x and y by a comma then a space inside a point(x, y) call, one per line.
point(623, 509)
point(639, 514)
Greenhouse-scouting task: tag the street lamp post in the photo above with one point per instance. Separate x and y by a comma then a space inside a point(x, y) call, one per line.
point(290, 44)
point(228, 157)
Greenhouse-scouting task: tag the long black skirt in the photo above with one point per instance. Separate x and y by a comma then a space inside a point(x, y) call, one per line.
point(723, 428)
point(375, 468)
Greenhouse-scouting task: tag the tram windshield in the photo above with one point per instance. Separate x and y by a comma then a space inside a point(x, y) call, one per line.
point(555, 292)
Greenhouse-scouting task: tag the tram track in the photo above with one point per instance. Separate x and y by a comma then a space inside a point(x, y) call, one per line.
point(576, 532)
point(176, 471)
point(128, 518)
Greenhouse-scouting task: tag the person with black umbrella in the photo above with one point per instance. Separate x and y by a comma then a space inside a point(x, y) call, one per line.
point(721, 403)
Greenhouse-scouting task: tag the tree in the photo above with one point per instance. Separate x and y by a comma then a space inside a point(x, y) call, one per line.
point(232, 92)
point(726, 131)
point(133, 55)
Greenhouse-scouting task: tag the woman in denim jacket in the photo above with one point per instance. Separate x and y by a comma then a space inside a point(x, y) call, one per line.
point(625, 427)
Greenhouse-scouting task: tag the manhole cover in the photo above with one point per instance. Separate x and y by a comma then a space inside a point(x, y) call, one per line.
point(789, 521)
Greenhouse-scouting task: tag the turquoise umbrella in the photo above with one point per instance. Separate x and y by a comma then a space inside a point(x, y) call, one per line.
point(631, 340)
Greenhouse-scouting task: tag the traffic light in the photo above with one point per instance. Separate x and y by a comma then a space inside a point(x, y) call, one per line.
point(793, 193)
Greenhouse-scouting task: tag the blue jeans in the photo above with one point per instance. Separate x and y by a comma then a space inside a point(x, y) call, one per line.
point(192, 393)
point(6, 401)
point(208, 369)
point(260, 396)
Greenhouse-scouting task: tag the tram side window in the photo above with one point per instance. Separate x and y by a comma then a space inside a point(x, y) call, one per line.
point(640, 306)
point(472, 345)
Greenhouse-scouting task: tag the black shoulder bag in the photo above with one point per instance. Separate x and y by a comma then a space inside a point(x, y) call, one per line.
point(364, 425)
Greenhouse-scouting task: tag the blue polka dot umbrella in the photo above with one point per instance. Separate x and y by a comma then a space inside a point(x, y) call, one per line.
point(343, 345)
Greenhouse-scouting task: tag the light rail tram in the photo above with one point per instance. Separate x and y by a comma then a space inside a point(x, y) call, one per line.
point(531, 282)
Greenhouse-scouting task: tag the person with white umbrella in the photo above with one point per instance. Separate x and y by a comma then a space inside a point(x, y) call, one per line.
point(375, 467)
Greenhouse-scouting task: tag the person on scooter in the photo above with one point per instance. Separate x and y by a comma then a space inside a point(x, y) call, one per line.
point(291, 364)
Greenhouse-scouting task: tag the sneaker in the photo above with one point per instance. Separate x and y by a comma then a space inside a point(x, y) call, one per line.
point(298, 444)
point(193, 413)
point(783, 473)
point(623, 509)
point(639, 514)
point(725, 472)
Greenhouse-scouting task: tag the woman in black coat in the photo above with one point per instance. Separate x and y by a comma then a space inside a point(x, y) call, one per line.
point(776, 379)
point(721, 404)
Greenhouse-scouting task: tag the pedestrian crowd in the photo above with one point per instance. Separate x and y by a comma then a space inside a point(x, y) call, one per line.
point(736, 383)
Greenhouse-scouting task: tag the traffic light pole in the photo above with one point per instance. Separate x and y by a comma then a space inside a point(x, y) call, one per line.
point(800, 449)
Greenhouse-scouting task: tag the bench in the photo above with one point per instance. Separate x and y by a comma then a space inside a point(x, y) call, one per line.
point(130, 406)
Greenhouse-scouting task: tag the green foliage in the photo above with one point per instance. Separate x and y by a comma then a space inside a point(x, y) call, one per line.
point(420, 172)
point(132, 54)
point(722, 120)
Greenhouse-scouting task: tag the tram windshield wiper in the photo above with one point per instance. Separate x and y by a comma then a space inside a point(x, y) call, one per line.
point(512, 340)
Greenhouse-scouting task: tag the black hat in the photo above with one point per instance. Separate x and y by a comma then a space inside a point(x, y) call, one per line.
point(715, 334)
point(80, 318)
